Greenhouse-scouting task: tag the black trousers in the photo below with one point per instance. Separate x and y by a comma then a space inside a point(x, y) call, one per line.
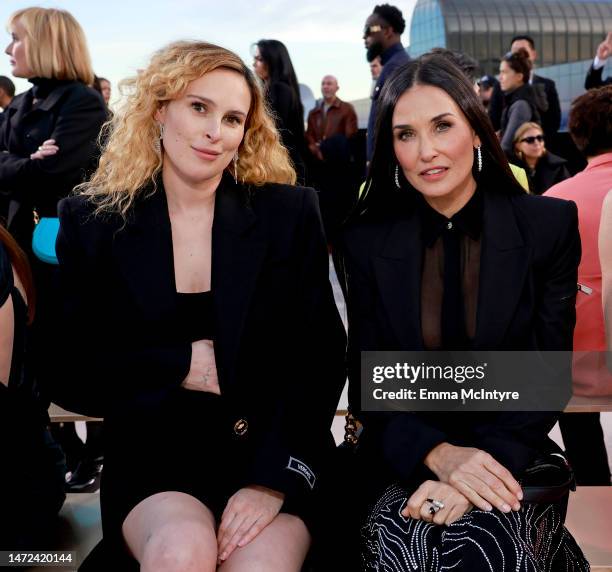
point(585, 448)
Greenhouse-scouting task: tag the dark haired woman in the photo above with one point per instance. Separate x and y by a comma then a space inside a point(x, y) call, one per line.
point(32, 490)
point(272, 64)
point(520, 103)
point(449, 253)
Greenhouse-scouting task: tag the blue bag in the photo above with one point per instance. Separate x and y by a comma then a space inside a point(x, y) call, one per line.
point(43, 239)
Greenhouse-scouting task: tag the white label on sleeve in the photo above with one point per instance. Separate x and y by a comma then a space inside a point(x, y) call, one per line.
point(303, 469)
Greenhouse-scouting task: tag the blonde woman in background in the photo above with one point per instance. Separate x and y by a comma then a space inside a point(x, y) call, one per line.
point(201, 323)
point(543, 168)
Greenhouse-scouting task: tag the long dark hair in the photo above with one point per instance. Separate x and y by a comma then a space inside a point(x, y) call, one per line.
point(20, 263)
point(380, 192)
point(280, 69)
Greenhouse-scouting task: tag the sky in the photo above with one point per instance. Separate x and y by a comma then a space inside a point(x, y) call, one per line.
point(323, 36)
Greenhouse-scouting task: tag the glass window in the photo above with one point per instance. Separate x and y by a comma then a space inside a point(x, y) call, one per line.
point(547, 50)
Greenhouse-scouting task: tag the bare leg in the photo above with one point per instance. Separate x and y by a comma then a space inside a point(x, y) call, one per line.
point(172, 532)
point(280, 547)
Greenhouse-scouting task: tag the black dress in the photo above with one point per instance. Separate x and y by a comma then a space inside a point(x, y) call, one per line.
point(174, 444)
point(531, 539)
point(32, 481)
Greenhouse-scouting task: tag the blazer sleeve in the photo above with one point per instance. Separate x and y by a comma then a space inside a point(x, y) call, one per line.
point(405, 438)
point(75, 132)
point(294, 451)
point(594, 78)
point(97, 368)
point(519, 113)
point(553, 115)
point(515, 438)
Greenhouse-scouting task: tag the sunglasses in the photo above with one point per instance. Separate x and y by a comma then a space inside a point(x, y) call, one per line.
point(532, 140)
point(369, 30)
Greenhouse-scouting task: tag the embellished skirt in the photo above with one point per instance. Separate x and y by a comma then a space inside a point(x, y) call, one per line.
point(530, 540)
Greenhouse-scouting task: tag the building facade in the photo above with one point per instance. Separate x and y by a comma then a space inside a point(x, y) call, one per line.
point(566, 34)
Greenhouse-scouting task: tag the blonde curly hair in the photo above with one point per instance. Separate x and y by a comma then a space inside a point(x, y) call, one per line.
point(131, 159)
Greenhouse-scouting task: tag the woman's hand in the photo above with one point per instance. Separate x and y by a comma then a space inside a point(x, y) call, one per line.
point(47, 149)
point(477, 476)
point(202, 374)
point(455, 504)
point(247, 513)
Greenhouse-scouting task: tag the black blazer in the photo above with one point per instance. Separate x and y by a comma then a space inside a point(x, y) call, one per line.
point(72, 114)
point(551, 118)
point(279, 341)
point(528, 275)
point(594, 78)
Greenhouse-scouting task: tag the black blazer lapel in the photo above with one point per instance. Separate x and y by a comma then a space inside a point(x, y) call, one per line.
point(504, 263)
point(143, 250)
point(238, 251)
point(398, 274)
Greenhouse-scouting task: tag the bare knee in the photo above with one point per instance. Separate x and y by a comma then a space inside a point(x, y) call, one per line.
point(179, 547)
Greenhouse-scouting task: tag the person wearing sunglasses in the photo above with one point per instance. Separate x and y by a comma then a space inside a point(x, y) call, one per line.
point(382, 36)
point(543, 168)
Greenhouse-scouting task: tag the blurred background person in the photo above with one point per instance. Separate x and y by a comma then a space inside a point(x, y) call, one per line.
point(590, 125)
point(331, 125)
point(594, 77)
point(48, 143)
point(545, 89)
point(382, 36)
point(375, 71)
point(272, 64)
point(489, 85)
point(32, 482)
point(519, 98)
point(105, 88)
point(7, 92)
point(543, 168)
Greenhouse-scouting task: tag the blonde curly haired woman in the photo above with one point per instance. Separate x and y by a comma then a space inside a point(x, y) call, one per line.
point(203, 322)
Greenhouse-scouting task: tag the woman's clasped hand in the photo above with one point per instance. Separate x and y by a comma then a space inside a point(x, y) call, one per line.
point(476, 475)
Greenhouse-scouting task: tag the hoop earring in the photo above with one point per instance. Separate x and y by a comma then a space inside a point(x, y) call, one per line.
point(236, 157)
point(397, 181)
point(479, 158)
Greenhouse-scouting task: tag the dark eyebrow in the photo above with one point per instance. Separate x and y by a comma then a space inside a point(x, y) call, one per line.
point(213, 104)
point(433, 120)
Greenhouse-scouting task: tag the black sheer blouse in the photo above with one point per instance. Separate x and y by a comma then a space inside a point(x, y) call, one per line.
point(450, 274)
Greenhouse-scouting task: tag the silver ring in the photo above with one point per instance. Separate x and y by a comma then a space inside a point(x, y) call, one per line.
point(40, 147)
point(438, 505)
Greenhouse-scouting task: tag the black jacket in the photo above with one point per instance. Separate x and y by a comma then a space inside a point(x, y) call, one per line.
point(528, 274)
point(72, 114)
point(279, 341)
point(550, 170)
point(549, 107)
point(289, 117)
point(551, 117)
point(594, 78)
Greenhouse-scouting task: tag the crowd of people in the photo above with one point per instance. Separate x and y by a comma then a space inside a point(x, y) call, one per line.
point(164, 266)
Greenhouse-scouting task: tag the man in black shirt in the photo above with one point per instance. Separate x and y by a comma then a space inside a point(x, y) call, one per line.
point(382, 33)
